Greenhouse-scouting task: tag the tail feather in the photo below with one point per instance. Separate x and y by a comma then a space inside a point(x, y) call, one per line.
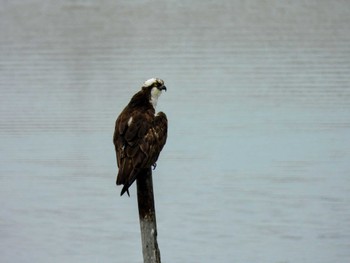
point(125, 189)
point(127, 183)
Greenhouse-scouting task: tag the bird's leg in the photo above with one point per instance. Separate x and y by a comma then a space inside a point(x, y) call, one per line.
point(154, 166)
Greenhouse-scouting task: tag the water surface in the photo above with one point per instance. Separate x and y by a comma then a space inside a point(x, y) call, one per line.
point(256, 167)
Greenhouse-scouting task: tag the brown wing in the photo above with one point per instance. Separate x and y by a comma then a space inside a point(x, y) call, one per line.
point(138, 142)
point(155, 139)
point(130, 128)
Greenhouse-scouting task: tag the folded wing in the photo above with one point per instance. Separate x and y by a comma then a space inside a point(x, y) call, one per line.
point(139, 138)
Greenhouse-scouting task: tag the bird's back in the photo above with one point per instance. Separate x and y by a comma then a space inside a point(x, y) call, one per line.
point(139, 135)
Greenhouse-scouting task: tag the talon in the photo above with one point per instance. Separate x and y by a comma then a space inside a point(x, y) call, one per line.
point(154, 166)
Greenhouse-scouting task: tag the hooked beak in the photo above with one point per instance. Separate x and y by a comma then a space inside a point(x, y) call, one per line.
point(162, 88)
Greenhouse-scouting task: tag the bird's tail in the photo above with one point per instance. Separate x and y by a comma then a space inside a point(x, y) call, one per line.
point(125, 189)
point(127, 182)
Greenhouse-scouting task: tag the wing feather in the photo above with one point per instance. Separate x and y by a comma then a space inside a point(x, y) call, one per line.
point(138, 144)
point(155, 139)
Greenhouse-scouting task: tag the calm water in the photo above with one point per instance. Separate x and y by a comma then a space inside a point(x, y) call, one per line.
point(256, 168)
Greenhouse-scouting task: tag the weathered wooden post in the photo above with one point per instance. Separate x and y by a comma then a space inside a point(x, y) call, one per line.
point(147, 215)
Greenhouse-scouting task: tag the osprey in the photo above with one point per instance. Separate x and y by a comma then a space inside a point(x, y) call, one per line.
point(140, 133)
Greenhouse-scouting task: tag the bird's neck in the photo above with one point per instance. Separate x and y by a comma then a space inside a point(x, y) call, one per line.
point(155, 93)
point(154, 101)
point(141, 100)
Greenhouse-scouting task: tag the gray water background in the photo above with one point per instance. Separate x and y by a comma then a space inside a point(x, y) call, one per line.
point(257, 163)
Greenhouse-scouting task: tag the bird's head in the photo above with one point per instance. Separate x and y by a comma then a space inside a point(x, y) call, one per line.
point(154, 88)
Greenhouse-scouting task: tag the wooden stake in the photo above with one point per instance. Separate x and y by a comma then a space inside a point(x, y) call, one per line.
point(147, 215)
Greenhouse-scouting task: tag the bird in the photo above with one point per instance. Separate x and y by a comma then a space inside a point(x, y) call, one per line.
point(140, 134)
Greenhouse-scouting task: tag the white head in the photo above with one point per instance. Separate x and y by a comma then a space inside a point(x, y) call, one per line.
point(155, 86)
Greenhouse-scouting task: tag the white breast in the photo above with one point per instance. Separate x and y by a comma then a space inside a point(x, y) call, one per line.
point(155, 93)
